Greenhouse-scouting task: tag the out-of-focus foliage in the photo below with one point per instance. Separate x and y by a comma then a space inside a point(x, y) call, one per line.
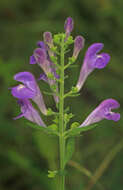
point(25, 154)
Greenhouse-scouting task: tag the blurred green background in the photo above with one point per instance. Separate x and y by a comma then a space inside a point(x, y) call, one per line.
point(25, 154)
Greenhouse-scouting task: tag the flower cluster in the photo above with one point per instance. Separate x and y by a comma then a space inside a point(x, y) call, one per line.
point(46, 56)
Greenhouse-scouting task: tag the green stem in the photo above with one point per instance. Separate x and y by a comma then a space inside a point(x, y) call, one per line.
point(61, 120)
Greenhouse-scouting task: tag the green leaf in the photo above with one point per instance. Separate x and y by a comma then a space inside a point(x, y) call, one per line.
point(47, 147)
point(77, 131)
point(69, 149)
point(43, 129)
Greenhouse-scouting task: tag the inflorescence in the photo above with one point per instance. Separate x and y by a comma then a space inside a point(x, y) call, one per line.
point(46, 55)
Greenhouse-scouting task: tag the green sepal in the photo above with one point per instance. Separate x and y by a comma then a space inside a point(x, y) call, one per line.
point(56, 120)
point(52, 174)
point(74, 89)
point(50, 76)
point(51, 112)
point(53, 59)
point(54, 87)
point(54, 49)
point(74, 125)
point(58, 38)
point(72, 93)
point(76, 131)
point(71, 60)
point(67, 117)
point(53, 127)
point(70, 40)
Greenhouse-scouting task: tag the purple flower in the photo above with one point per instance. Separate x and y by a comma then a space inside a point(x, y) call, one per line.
point(41, 58)
point(32, 59)
point(78, 45)
point(48, 67)
point(48, 39)
point(29, 112)
point(29, 89)
point(103, 111)
point(68, 26)
point(92, 60)
point(49, 42)
point(41, 45)
point(43, 77)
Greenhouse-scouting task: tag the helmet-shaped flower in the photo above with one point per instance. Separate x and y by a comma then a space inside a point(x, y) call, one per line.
point(29, 89)
point(92, 61)
point(103, 111)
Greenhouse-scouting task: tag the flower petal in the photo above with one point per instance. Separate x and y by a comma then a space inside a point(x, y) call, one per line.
point(110, 104)
point(113, 116)
point(29, 112)
point(94, 49)
point(41, 45)
point(43, 77)
point(48, 38)
point(23, 77)
point(27, 79)
point(40, 55)
point(19, 116)
point(68, 26)
point(78, 45)
point(101, 60)
point(32, 60)
point(21, 92)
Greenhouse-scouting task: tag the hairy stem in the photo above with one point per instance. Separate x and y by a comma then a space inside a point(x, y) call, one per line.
point(61, 119)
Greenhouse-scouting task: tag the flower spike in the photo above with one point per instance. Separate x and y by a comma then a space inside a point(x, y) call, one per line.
point(29, 112)
point(103, 111)
point(78, 45)
point(92, 60)
point(29, 89)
